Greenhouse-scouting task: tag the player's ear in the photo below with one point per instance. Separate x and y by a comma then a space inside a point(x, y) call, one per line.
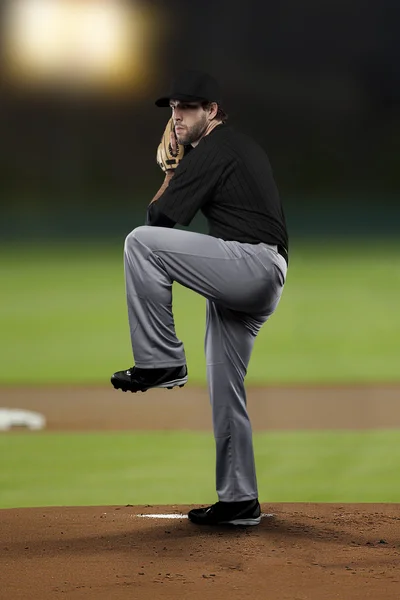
point(213, 110)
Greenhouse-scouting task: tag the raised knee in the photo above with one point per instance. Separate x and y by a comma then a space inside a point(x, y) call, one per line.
point(135, 236)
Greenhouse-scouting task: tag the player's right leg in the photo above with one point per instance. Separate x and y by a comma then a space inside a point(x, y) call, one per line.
point(229, 342)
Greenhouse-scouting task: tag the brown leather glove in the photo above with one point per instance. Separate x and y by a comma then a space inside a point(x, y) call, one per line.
point(169, 152)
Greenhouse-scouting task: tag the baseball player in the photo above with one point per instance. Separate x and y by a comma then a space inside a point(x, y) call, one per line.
point(239, 267)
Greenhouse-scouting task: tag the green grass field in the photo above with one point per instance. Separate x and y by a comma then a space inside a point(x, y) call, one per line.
point(178, 468)
point(63, 320)
point(63, 316)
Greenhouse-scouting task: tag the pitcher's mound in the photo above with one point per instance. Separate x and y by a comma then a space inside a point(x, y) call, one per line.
point(299, 551)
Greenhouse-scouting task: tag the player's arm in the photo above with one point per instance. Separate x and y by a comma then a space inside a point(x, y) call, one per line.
point(169, 155)
point(191, 185)
point(154, 216)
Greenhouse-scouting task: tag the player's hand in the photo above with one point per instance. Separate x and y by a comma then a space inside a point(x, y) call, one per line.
point(169, 151)
point(173, 143)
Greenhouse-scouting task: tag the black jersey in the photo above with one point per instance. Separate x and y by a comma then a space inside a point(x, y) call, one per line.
point(229, 178)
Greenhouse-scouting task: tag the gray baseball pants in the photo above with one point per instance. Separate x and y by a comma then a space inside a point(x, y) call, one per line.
point(242, 284)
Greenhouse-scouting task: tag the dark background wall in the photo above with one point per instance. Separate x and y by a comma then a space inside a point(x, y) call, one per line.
point(317, 83)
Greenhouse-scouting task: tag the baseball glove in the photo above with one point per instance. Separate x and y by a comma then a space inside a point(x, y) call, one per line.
point(169, 152)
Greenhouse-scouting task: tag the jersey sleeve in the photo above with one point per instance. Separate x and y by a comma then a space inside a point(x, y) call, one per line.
point(192, 185)
point(155, 218)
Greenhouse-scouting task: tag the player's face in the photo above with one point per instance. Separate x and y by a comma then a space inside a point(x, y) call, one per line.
point(190, 119)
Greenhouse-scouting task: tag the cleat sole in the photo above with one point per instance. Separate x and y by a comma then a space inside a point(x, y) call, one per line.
point(243, 522)
point(179, 383)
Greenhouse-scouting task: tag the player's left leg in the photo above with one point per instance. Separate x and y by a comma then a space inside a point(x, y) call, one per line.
point(242, 277)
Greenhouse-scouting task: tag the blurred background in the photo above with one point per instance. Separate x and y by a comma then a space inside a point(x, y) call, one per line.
point(317, 84)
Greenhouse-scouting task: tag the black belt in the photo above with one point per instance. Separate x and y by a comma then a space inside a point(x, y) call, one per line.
point(283, 252)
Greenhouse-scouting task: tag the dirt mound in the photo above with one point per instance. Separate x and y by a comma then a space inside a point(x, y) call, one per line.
point(299, 551)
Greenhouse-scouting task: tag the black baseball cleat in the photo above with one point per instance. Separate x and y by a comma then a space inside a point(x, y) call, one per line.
point(245, 513)
point(141, 380)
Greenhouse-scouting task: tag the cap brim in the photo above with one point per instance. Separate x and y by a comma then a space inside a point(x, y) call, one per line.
point(165, 100)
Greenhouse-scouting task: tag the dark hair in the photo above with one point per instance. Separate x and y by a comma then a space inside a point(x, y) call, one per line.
point(221, 114)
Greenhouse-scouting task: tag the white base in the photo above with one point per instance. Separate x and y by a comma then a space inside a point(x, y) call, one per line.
point(181, 516)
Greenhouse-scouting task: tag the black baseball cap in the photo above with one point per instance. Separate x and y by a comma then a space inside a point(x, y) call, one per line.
point(192, 86)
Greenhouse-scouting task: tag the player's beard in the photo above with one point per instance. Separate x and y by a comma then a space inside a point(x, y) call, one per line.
point(193, 133)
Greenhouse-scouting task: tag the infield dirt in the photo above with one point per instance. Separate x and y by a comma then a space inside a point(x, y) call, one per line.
point(298, 552)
